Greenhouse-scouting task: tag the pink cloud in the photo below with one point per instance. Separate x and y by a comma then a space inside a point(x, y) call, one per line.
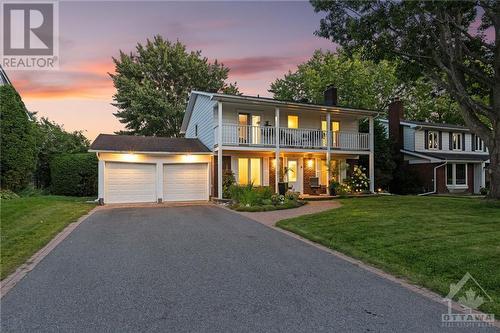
point(249, 66)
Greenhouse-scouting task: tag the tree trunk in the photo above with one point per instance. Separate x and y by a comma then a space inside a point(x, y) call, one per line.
point(494, 171)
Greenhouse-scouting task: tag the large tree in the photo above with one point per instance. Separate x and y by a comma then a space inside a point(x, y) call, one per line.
point(152, 85)
point(455, 44)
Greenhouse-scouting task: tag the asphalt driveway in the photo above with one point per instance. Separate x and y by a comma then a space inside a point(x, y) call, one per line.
point(204, 269)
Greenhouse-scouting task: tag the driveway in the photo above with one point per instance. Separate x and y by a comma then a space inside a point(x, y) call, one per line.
point(204, 269)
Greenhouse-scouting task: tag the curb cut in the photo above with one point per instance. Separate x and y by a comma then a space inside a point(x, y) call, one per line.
point(10, 281)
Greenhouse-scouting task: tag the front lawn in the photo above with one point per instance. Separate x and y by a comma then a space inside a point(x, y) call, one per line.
point(29, 223)
point(431, 241)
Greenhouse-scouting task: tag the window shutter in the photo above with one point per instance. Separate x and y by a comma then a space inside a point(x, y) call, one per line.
point(463, 141)
point(426, 139)
point(451, 141)
point(472, 142)
point(440, 140)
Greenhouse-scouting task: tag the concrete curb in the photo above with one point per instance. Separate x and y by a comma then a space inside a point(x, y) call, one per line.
point(10, 281)
point(402, 282)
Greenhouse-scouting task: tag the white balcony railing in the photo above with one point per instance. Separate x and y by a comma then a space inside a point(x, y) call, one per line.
point(248, 135)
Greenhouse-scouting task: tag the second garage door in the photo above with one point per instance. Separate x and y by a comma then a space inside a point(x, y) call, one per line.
point(185, 182)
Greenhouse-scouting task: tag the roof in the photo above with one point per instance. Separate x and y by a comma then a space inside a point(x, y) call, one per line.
point(425, 124)
point(146, 144)
point(267, 101)
point(449, 157)
point(4, 79)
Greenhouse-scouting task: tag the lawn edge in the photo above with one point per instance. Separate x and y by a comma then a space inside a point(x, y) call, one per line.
point(427, 293)
point(12, 279)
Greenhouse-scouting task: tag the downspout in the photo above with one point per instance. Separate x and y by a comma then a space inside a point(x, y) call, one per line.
point(434, 180)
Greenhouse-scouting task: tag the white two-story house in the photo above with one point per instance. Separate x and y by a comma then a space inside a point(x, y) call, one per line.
point(255, 138)
point(447, 158)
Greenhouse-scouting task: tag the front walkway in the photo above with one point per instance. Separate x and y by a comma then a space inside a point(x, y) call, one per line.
point(270, 218)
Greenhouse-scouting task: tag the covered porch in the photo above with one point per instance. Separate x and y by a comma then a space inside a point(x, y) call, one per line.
point(305, 172)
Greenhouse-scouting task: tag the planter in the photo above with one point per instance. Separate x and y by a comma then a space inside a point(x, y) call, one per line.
point(282, 188)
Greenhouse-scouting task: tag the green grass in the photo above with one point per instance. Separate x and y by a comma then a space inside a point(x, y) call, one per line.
point(29, 223)
point(431, 241)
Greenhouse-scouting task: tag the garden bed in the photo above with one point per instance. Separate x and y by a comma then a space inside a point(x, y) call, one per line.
point(266, 208)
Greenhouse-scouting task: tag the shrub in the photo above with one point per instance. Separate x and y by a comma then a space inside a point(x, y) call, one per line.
point(483, 191)
point(277, 199)
point(333, 186)
point(8, 195)
point(74, 174)
point(228, 180)
point(292, 196)
point(358, 182)
point(18, 148)
point(248, 195)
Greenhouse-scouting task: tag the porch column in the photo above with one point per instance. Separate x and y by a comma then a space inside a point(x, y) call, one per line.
point(100, 187)
point(277, 152)
point(328, 146)
point(219, 152)
point(371, 163)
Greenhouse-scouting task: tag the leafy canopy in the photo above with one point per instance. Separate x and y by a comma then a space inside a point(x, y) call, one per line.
point(152, 85)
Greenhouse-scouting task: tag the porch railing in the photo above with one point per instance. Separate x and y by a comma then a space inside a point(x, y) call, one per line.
point(248, 135)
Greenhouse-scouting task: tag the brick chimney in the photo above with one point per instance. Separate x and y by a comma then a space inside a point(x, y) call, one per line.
point(330, 96)
point(396, 114)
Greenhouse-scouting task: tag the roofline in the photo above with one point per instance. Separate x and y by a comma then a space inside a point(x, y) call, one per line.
point(430, 125)
point(269, 101)
point(150, 152)
point(433, 159)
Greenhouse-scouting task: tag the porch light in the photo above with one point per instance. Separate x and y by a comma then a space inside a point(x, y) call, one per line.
point(273, 162)
point(129, 157)
point(310, 163)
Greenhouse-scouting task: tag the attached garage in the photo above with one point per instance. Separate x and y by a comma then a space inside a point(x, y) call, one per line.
point(136, 169)
point(185, 182)
point(130, 182)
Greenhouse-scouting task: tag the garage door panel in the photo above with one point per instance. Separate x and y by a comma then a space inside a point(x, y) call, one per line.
point(185, 182)
point(130, 182)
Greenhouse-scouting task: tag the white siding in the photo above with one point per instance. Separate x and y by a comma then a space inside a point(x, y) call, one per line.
point(202, 116)
point(419, 140)
point(446, 140)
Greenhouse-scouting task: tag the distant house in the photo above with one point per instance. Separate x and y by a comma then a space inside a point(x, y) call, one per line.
point(447, 158)
point(255, 138)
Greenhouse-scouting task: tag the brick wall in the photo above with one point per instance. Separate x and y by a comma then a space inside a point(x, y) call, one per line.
point(426, 174)
point(310, 171)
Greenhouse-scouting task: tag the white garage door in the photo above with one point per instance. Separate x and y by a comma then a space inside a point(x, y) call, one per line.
point(185, 182)
point(130, 182)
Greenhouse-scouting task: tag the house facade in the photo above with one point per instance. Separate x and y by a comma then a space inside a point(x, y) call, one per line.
point(263, 141)
point(259, 140)
point(447, 158)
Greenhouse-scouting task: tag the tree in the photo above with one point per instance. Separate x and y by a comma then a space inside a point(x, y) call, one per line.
point(153, 85)
point(52, 140)
point(17, 141)
point(445, 41)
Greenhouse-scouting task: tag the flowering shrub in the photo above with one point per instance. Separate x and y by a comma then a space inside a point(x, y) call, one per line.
point(277, 199)
point(293, 196)
point(358, 182)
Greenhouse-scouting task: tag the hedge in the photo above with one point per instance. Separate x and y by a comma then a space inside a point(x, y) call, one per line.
point(74, 174)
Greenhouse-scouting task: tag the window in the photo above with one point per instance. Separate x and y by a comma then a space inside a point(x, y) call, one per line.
point(323, 177)
point(249, 171)
point(457, 141)
point(292, 170)
point(479, 144)
point(243, 128)
point(293, 121)
point(456, 174)
point(433, 140)
point(335, 127)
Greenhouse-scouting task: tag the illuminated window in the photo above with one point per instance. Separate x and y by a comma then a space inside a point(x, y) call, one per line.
point(292, 170)
point(323, 177)
point(335, 126)
point(293, 121)
point(249, 171)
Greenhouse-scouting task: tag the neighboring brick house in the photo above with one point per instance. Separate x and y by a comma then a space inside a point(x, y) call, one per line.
point(447, 158)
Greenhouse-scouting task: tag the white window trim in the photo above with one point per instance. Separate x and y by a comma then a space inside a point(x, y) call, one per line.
point(250, 170)
point(454, 184)
point(459, 141)
point(435, 140)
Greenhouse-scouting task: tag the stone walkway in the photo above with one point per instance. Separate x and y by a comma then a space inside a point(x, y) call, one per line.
point(270, 218)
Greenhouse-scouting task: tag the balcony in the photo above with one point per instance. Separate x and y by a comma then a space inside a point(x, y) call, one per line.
point(300, 138)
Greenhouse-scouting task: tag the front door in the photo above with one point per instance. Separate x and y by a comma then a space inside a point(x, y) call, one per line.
point(293, 169)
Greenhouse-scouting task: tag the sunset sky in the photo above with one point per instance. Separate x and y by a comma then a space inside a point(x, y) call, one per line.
point(259, 41)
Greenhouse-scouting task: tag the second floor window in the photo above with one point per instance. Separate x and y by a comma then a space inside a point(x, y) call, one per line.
point(293, 121)
point(457, 141)
point(433, 140)
point(479, 144)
